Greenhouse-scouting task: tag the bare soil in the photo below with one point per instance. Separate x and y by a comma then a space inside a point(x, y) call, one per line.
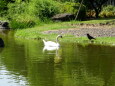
point(94, 30)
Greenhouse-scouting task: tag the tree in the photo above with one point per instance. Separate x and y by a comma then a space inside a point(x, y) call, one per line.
point(3, 6)
point(97, 5)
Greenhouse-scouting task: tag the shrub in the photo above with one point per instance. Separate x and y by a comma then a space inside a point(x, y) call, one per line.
point(90, 13)
point(3, 7)
point(108, 11)
point(22, 21)
point(19, 16)
point(28, 14)
point(44, 8)
point(16, 8)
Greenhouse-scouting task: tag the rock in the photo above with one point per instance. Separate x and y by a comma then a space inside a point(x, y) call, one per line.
point(63, 17)
point(1, 43)
point(101, 24)
point(4, 25)
point(107, 23)
point(81, 23)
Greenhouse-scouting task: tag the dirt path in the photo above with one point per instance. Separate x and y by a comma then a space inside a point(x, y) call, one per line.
point(96, 31)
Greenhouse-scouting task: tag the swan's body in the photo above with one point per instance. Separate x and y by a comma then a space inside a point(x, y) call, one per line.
point(51, 43)
point(48, 48)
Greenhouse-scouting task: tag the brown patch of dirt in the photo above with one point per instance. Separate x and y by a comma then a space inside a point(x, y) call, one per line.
point(96, 30)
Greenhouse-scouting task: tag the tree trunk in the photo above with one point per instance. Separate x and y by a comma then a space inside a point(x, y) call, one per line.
point(97, 14)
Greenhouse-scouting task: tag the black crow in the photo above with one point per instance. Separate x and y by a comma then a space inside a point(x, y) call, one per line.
point(90, 37)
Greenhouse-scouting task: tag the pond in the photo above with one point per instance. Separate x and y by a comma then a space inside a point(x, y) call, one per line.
point(28, 63)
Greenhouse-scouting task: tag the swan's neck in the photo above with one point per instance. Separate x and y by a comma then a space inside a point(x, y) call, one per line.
point(57, 39)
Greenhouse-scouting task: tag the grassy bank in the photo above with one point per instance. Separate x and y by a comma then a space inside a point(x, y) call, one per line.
point(36, 32)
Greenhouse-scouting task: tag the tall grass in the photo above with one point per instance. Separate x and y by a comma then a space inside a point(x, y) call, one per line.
point(29, 14)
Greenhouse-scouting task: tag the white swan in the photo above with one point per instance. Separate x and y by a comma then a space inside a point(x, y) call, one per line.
point(48, 48)
point(51, 43)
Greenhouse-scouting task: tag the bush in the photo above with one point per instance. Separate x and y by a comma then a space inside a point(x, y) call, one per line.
point(3, 7)
point(16, 9)
point(24, 14)
point(108, 11)
point(19, 18)
point(22, 21)
point(90, 13)
point(44, 8)
point(70, 7)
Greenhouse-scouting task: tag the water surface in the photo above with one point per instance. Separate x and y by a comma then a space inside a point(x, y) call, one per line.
point(25, 63)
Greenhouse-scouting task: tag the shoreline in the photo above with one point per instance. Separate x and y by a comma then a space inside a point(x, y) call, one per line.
point(72, 32)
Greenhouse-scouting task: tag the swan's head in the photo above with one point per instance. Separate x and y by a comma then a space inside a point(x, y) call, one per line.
point(60, 36)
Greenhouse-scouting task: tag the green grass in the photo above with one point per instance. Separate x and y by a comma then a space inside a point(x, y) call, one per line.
point(95, 21)
point(36, 32)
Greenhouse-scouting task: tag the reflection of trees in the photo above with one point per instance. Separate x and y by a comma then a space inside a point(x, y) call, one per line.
point(4, 32)
point(12, 64)
point(101, 58)
point(58, 58)
point(98, 63)
point(70, 65)
point(89, 65)
point(42, 71)
point(14, 59)
point(41, 74)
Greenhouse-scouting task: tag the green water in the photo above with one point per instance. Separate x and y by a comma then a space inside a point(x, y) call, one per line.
point(24, 63)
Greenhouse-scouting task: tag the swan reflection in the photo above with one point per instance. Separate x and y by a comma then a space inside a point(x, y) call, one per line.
point(57, 58)
point(48, 48)
point(57, 50)
point(4, 32)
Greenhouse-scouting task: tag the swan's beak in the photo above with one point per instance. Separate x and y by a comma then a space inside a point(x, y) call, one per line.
point(61, 36)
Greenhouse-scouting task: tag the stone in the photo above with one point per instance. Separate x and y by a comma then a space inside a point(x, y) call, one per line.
point(1, 43)
point(4, 25)
point(63, 17)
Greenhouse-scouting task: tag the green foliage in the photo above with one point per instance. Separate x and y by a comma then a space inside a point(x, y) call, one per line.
point(24, 14)
point(44, 8)
point(67, 0)
point(109, 8)
point(19, 16)
point(3, 6)
point(70, 7)
point(108, 11)
point(16, 9)
point(22, 21)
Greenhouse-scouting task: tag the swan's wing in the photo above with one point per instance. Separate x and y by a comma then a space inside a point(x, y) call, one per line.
point(48, 48)
point(50, 43)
